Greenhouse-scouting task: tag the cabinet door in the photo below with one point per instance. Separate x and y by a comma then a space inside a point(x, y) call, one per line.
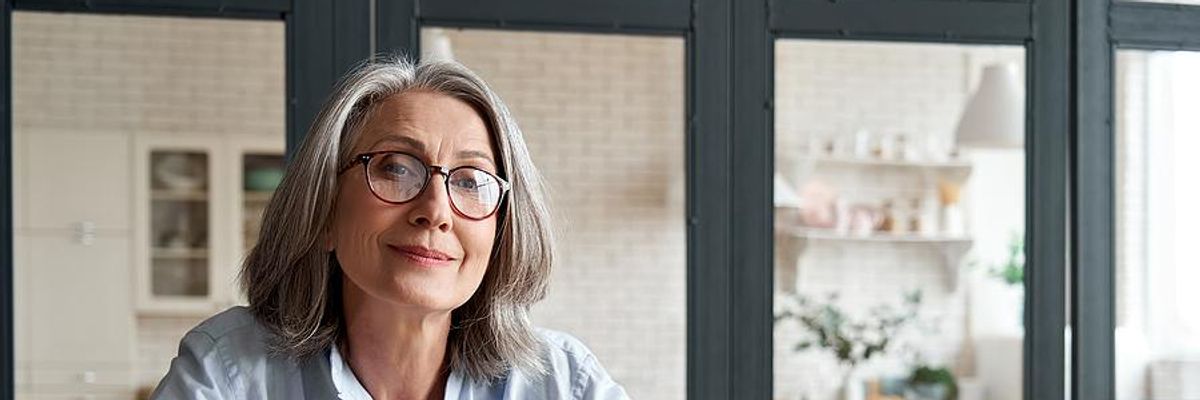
point(177, 192)
point(258, 166)
point(77, 178)
point(81, 310)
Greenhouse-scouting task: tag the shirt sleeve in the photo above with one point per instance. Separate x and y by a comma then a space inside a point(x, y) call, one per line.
point(594, 383)
point(195, 373)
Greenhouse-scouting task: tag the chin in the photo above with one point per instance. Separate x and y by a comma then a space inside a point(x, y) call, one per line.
point(425, 295)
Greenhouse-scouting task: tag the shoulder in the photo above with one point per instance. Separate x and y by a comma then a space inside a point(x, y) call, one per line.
point(233, 325)
point(572, 367)
point(233, 335)
point(563, 345)
point(219, 356)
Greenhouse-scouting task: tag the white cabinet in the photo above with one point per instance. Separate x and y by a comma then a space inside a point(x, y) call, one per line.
point(193, 204)
point(74, 331)
point(75, 179)
point(84, 330)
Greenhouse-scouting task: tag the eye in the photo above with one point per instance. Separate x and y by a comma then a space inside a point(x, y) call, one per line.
point(466, 182)
point(396, 169)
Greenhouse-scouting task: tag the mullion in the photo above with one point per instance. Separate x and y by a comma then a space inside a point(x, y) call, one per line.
point(1155, 26)
point(1092, 214)
point(252, 9)
point(923, 20)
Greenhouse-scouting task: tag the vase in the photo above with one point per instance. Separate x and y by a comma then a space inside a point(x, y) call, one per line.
point(850, 388)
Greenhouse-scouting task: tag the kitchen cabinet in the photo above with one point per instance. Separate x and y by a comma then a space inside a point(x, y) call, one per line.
point(196, 214)
point(77, 181)
point(74, 329)
point(84, 332)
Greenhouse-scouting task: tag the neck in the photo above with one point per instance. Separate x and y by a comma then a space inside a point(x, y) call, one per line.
point(395, 352)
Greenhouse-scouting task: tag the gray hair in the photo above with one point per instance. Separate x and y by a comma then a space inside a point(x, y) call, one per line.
point(294, 286)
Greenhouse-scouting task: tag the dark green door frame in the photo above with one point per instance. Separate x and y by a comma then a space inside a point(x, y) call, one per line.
point(1101, 27)
point(1043, 28)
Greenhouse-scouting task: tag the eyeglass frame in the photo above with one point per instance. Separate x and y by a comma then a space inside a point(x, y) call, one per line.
point(365, 158)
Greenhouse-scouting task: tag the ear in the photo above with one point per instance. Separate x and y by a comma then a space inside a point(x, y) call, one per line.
point(326, 239)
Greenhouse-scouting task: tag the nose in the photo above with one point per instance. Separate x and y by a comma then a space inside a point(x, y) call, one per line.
point(431, 209)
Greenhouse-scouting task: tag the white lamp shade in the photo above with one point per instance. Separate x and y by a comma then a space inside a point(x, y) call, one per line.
point(435, 45)
point(995, 114)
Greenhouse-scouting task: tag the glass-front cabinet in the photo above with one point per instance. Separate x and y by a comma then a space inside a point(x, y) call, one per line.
point(199, 203)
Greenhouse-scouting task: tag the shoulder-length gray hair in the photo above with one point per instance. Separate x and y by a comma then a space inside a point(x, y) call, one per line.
point(294, 286)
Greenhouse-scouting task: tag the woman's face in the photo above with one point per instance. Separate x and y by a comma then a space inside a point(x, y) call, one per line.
point(419, 254)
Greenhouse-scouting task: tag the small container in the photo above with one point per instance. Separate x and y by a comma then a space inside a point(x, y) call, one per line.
point(862, 143)
point(901, 150)
point(887, 220)
point(915, 220)
point(900, 219)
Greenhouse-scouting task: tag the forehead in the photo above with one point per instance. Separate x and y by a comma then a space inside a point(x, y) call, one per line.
point(434, 119)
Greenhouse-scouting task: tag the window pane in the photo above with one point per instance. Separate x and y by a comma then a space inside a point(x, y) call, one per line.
point(128, 187)
point(900, 192)
point(1157, 132)
point(603, 118)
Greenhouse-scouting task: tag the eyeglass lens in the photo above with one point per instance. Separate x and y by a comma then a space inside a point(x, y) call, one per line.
point(398, 178)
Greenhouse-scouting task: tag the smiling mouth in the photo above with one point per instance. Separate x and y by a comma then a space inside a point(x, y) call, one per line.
point(423, 256)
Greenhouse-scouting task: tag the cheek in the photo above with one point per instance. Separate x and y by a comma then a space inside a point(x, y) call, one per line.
point(477, 238)
point(356, 224)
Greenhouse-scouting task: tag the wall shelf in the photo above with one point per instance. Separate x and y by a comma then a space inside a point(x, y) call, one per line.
point(185, 253)
point(953, 170)
point(949, 164)
point(178, 195)
point(831, 235)
point(793, 240)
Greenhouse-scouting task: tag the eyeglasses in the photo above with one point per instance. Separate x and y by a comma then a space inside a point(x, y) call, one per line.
point(397, 178)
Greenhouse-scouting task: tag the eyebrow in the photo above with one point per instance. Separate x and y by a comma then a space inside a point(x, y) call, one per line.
point(419, 146)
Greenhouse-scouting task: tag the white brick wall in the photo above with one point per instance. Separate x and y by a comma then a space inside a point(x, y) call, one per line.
point(603, 117)
point(147, 74)
point(835, 88)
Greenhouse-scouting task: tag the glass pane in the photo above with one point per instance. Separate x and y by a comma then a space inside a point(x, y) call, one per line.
point(582, 99)
point(1157, 133)
point(179, 199)
point(124, 198)
point(899, 207)
point(261, 174)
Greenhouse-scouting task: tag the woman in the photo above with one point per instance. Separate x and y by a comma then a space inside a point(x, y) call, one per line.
point(397, 260)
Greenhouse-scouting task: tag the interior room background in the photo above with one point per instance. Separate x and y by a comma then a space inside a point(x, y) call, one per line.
point(144, 148)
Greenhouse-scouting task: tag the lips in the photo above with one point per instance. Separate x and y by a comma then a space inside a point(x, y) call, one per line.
point(422, 255)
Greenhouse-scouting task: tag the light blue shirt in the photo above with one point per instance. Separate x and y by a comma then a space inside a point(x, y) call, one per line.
point(225, 357)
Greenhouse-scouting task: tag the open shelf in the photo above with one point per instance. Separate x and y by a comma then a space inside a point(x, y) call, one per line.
point(948, 164)
point(793, 240)
point(831, 235)
point(178, 195)
point(184, 253)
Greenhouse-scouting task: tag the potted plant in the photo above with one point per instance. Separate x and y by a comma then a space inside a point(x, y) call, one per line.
point(931, 383)
point(852, 341)
point(1012, 270)
point(1012, 273)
